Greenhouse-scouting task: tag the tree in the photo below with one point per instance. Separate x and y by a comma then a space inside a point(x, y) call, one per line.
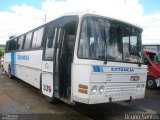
point(1, 53)
point(2, 50)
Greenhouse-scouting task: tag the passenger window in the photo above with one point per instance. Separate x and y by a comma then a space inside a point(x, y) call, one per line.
point(50, 44)
point(12, 45)
point(28, 40)
point(37, 38)
point(34, 39)
point(16, 40)
point(7, 45)
point(20, 42)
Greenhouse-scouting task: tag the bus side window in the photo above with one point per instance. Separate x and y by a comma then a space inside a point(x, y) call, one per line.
point(28, 40)
point(50, 43)
point(20, 42)
point(71, 41)
point(7, 44)
point(12, 45)
point(16, 40)
point(37, 38)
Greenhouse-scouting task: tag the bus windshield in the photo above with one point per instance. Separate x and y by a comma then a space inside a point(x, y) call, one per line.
point(106, 39)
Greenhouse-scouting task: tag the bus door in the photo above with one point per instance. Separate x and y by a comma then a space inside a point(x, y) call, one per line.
point(49, 76)
point(57, 58)
point(65, 52)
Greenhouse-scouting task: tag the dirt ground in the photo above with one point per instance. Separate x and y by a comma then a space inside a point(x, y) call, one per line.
point(19, 100)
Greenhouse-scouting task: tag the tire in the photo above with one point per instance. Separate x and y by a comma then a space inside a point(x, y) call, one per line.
point(151, 84)
point(9, 72)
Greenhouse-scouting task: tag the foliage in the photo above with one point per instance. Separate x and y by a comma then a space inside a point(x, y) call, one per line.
point(2, 50)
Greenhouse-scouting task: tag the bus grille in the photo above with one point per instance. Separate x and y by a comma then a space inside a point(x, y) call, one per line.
point(128, 88)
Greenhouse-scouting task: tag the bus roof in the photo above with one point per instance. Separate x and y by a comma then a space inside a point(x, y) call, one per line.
point(151, 44)
point(82, 13)
point(85, 13)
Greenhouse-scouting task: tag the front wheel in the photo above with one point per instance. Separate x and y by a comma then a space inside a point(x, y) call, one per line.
point(151, 84)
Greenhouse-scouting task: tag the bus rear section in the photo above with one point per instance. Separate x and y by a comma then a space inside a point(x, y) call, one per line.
point(152, 59)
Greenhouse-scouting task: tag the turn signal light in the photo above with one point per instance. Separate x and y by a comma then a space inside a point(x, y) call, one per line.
point(83, 91)
point(83, 86)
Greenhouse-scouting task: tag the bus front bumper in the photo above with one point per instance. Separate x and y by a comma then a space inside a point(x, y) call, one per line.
point(96, 99)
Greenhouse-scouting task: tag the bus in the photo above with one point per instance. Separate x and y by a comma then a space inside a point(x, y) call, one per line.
point(80, 57)
point(152, 59)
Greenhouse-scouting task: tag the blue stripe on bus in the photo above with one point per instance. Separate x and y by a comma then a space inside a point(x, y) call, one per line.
point(98, 69)
point(94, 68)
point(13, 63)
point(101, 69)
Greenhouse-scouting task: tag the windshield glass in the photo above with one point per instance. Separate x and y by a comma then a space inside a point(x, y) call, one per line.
point(109, 40)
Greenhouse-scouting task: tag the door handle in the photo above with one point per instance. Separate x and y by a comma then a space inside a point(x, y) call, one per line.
point(46, 66)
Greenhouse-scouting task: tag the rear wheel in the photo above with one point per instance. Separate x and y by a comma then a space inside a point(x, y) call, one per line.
point(151, 84)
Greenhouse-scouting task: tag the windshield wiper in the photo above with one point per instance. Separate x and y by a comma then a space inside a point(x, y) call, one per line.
point(105, 61)
point(139, 63)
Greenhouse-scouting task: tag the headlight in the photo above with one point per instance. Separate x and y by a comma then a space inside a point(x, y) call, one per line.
point(101, 89)
point(142, 87)
point(94, 89)
point(138, 87)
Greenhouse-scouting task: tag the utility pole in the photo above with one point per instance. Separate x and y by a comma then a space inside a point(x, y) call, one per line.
point(45, 17)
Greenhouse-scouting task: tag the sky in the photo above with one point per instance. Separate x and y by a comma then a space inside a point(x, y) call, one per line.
point(19, 16)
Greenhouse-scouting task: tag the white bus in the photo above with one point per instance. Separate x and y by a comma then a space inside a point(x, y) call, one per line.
point(81, 57)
